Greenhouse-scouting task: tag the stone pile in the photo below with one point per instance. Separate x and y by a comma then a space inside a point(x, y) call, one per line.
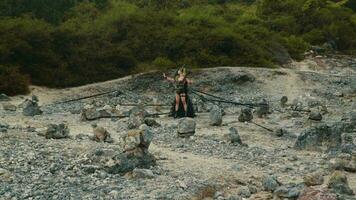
point(135, 155)
point(31, 107)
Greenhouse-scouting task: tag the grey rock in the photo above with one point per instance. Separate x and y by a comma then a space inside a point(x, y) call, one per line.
point(244, 192)
point(186, 127)
point(263, 108)
point(320, 137)
point(284, 101)
point(31, 108)
point(4, 97)
point(137, 117)
point(124, 162)
point(142, 173)
point(9, 107)
point(100, 134)
point(281, 132)
point(290, 191)
point(270, 183)
point(215, 116)
point(55, 131)
point(339, 184)
point(4, 127)
point(246, 115)
point(152, 122)
point(313, 179)
point(234, 136)
point(93, 114)
point(315, 115)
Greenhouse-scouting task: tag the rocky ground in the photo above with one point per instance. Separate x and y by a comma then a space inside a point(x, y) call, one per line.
point(308, 151)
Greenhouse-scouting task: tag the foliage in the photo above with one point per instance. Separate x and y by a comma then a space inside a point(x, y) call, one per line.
point(72, 42)
point(12, 81)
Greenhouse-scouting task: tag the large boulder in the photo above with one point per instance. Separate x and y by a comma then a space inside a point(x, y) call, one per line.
point(186, 127)
point(31, 108)
point(215, 116)
point(246, 115)
point(57, 131)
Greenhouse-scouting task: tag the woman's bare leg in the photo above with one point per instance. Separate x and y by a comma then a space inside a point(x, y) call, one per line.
point(177, 102)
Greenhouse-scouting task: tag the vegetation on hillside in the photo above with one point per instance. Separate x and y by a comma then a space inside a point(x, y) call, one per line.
point(72, 42)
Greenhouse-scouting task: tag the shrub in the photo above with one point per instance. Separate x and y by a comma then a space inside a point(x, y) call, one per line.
point(12, 82)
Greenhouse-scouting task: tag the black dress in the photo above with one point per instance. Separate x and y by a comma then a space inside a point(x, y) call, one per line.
point(181, 87)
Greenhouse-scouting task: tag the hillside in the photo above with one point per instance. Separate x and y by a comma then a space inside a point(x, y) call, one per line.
point(207, 165)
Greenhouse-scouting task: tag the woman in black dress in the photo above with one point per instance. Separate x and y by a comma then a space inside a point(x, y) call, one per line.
point(183, 107)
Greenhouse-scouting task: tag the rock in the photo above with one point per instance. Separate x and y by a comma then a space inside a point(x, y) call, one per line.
point(136, 117)
point(284, 101)
point(351, 166)
point(137, 141)
point(244, 192)
point(3, 127)
point(313, 179)
point(34, 98)
point(142, 173)
point(290, 191)
point(90, 113)
point(114, 194)
point(246, 115)
point(127, 162)
point(55, 131)
point(316, 193)
point(270, 183)
point(319, 137)
point(31, 108)
point(339, 184)
point(215, 116)
point(281, 132)
point(152, 122)
point(9, 107)
point(4, 97)
point(234, 136)
point(186, 127)
point(5, 175)
point(316, 116)
point(263, 108)
point(101, 134)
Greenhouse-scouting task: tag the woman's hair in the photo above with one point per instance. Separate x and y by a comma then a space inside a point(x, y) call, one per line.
point(182, 70)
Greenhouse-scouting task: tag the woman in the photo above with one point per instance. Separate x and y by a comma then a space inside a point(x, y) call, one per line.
point(181, 99)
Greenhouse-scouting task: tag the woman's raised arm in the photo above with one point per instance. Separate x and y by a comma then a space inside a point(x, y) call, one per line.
point(168, 78)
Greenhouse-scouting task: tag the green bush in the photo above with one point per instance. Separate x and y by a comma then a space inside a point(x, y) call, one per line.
point(12, 82)
point(69, 43)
